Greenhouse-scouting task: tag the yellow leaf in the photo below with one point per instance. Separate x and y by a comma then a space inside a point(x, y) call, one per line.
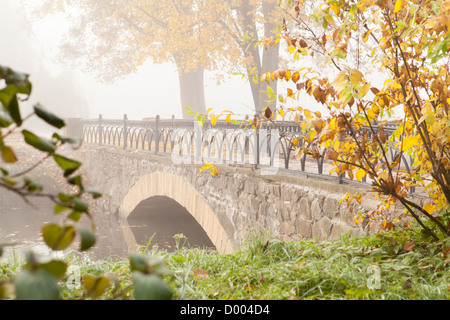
point(360, 173)
point(8, 155)
point(228, 118)
point(318, 125)
point(371, 114)
point(206, 166)
point(214, 120)
point(409, 142)
point(375, 109)
point(290, 93)
point(335, 8)
point(295, 77)
point(287, 76)
point(350, 174)
point(398, 5)
point(429, 207)
point(214, 171)
point(295, 142)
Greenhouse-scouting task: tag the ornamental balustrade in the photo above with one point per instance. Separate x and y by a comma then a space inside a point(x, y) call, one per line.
point(269, 148)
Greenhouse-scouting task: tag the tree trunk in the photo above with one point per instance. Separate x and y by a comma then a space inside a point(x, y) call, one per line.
point(192, 92)
point(269, 60)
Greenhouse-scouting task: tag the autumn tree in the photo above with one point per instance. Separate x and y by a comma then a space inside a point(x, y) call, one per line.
point(408, 41)
point(251, 22)
point(116, 37)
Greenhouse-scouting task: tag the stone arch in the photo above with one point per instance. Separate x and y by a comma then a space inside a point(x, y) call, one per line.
point(175, 187)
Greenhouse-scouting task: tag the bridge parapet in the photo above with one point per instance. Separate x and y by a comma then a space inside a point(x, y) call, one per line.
point(269, 148)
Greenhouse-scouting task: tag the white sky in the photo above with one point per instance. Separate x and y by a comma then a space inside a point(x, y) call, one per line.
point(140, 95)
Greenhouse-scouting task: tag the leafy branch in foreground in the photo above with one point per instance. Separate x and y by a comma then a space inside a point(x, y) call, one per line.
point(40, 275)
point(407, 41)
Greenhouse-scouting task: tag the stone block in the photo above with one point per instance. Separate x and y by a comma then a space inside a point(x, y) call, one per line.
point(261, 195)
point(254, 204)
point(304, 228)
point(316, 211)
point(288, 228)
point(235, 183)
point(286, 212)
point(275, 190)
point(330, 207)
point(321, 229)
point(304, 209)
point(262, 187)
point(338, 229)
point(296, 195)
point(250, 187)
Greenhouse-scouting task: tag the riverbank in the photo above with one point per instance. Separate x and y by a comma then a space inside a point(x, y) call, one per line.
point(22, 222)
point(387, 267)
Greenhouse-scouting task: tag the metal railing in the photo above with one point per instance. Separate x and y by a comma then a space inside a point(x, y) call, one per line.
point(224, 143)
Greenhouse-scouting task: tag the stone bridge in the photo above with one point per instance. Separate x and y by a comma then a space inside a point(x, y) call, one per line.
point(288, 203)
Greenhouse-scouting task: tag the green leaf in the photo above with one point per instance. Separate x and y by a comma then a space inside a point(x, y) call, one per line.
point(5, 119)
point(64, 197)
point(32, 186)
point(401, 25)
point(58, 238)
point(37, 285)
point(138, 262)
point(76, 181)
point(150, 287)
point(14, 111)
point(55, 267)
point(68, 165)
point(324, 23)
point(17, 79)
point(39, 143)
point(59, 208)
point(95, 286)
point(80, 205)
point(6, 95)
point(75, 142)
point(75, 215)
point(87, 238)
point(48, 117)
point(9, 182)
point(95, 194)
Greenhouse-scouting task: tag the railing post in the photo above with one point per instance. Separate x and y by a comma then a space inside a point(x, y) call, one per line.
point(256, 157)
point(100, 129)
point(125, 131)
point(157, 134)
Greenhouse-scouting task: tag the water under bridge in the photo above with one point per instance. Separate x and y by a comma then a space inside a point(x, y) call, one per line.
point(154, 164)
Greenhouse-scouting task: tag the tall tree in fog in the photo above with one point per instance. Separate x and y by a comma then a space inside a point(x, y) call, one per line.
point(59, 90)
point(249, 21)
point(117, 36)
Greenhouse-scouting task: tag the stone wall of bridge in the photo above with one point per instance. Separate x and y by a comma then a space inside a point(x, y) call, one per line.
point(230, 205)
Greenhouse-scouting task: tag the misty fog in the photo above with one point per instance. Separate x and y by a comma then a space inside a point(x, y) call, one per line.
point(153, 89)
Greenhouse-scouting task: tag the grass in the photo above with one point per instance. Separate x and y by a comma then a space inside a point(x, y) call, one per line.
point(364, 268)
point(375, 267)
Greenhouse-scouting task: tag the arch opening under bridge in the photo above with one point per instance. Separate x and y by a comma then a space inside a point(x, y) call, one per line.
point(165, 184)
